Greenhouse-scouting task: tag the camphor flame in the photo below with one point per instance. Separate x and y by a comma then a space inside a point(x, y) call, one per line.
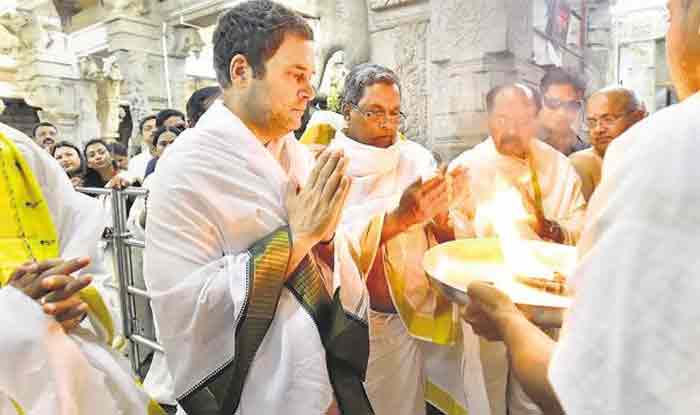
point(508, 219)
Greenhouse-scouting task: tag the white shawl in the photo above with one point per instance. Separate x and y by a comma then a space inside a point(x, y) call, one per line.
point(215, 193)
point(631, 340)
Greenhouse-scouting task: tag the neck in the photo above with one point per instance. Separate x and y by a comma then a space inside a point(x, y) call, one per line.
point(374, 143)
point(106, 173)
point(563, 142)
point(243, 111)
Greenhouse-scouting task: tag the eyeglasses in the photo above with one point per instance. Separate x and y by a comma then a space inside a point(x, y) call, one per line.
point(606, 120)
point(555, 104)
point(377, 116)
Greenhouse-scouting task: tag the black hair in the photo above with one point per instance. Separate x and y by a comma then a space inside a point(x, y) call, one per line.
point(559, 76)
point(167, 113)
point(42, 124)
point(83, 164)
point(117, 149)
point(159, 131)
point(199, 102)
point(145, 120)
point(254, 29)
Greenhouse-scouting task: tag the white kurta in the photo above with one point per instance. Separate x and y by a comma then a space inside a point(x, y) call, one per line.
point(631, 339)
point(562, 201)
point(215, 193)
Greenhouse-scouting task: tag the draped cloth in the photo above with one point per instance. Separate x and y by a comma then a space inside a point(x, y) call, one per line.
point(48, 371)
point(422, 345)
point(217, 192)
point(546, 182)
point(629, 343)
point(548, 173)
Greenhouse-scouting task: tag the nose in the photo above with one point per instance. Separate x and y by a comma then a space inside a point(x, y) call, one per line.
point(307, 92)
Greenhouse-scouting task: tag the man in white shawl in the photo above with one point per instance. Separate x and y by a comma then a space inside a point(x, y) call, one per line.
point(415, 347)
point(629, 342)
point(547, 204)
point(45, 370)
point(250, 321)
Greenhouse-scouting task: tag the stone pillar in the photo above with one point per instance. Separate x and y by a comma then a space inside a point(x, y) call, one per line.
point(46, 74)
point(474, 46)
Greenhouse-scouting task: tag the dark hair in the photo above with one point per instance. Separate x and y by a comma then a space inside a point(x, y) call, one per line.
point(117, 149)
point(95, 141)
point(83, 164)
point(167, 113)
point(145, 120)
point(42, 124)
point(199, 102)
point(496, 91)
point(158, 132)
point(559, 76)
point(362, 76)
point(254, 29)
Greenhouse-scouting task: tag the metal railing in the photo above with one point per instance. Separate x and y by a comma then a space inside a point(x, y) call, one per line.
point(123, 241)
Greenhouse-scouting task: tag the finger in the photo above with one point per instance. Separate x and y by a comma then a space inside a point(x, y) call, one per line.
point(69, 325)
point(68, 267)
point(459, 172)
point(488, 296)
point(292, 190)
point(65, 287)
point(23, 270)
point(72, 313)
point(61, 307)
point(339, 199)
point(327, 170)
point(313, 176)
point(334, 181)
point(431, 184)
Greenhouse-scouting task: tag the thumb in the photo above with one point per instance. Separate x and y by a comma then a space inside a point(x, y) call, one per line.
point(293, 188)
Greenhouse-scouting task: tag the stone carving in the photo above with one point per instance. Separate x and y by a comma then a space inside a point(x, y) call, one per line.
point(184, 41)
point(107, 76)
point(133, 7)
point(387, 4)
point(462, 30)
point(12, 39)
point(135, 83)
point(411, 67)
point(343, 25)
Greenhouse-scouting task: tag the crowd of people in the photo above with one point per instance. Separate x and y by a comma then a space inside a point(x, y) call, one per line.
point(286, 275)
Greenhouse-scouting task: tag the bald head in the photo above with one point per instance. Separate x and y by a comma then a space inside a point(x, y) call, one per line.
point(513, 112)
point(609, 113)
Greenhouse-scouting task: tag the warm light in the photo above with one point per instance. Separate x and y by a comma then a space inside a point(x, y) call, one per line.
point(505, 216)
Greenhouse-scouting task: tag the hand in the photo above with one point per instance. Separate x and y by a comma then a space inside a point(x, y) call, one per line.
point(49, 283)
point(489, 310)
point(118, 182)
point(77, 181)
point(422, 201)
point(315, 209)
point(459, 183)
point(549, 230)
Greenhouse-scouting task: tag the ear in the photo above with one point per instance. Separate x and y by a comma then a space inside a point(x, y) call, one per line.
point(345, 111)
point(240, 71)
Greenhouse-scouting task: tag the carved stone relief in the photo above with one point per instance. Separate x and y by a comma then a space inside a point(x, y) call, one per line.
point(387, 4)
point(462, 30)
point(411, 67)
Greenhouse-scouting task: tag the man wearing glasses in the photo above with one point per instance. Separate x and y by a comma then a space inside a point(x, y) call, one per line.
point(609, 113)
point(396, 192)
point(562, 99)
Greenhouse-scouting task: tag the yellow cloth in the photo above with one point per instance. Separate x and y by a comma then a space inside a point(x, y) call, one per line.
point(28, 233)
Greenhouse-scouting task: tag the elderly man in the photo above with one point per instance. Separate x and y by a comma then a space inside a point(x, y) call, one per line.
point(545, 203)
point(629, 343)
point(562, 102)
point(609, 113)
point(414, 331)
point(249, 319)
point(46, 135)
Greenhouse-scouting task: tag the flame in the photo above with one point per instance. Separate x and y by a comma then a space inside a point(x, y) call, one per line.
point(506, 216)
